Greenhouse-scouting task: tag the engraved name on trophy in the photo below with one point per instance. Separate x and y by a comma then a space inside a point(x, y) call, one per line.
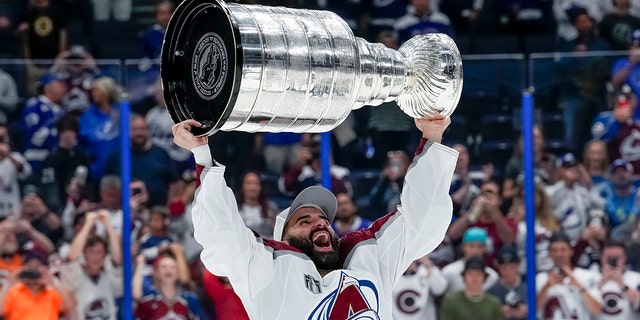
point(274, 69)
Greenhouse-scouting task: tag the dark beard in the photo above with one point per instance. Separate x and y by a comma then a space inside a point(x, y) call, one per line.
point(322, 260)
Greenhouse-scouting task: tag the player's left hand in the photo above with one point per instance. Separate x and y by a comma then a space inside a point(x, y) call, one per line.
point(433, 127)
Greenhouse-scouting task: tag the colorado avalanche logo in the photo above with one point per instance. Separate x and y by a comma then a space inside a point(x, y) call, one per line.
point(406, 301)
point(612, 303)
point(353, 300)
point(556, 308)
point(209, 66)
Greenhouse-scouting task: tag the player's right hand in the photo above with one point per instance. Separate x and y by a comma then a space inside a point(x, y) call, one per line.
point(183, 137)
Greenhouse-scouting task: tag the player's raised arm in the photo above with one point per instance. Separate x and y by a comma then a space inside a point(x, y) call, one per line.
point(229, 247)
point(424, 213)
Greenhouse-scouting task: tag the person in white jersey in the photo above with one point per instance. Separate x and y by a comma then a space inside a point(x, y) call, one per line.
point(414, 295)
point(306, 272)
point(565, 292)
point(618, 285)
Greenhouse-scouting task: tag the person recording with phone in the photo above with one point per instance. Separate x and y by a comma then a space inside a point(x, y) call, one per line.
point(486, 213)
point(566, 292)
point(618, 285)
point(33, 292)
point(385, 194)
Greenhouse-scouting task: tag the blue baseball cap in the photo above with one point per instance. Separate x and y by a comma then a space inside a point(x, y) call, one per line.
point(475, 234)
point(49, 77)
point(621, 163)
point(567, 160)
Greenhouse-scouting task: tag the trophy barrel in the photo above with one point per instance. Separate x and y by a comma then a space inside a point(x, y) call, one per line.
point(258, 68)
point(201, 64)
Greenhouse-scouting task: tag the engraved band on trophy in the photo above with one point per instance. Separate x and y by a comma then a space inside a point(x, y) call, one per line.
point(274, 69)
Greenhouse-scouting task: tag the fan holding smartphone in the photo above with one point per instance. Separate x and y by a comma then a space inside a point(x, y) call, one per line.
point(618, 285)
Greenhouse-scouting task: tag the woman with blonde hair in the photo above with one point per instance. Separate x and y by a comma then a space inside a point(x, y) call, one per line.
point(545, 224)
point(100, 125)
point(596, 164)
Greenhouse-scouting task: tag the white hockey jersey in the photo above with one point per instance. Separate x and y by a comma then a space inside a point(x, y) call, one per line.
point(565, 302)
point(414, 295)
point(615, 303)
point(276, 281)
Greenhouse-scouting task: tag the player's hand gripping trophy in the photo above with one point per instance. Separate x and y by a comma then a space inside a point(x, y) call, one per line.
point(258, 68)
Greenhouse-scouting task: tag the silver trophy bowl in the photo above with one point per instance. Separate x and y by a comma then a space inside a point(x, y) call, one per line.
point(272, 69)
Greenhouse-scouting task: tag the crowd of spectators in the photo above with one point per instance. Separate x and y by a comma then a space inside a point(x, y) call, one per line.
point(61, 219)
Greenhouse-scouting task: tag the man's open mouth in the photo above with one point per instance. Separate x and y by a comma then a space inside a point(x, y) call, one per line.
point(321, 240)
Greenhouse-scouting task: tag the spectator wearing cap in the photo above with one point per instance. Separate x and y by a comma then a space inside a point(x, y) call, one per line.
point(618, 285)
point(39, 118)
point(472, 302)
point(618, 26)
point(486, 213)
point(566, 292)
point(34, 293)
point(511, 290)
point(473, 244)
point(571, 201)
point(621, 201)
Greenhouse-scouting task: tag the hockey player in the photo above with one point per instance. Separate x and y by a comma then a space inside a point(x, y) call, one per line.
point(306, 272)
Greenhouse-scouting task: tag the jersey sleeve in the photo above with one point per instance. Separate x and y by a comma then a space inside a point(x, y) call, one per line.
point(229, 248)
point(425, 208)
point(420, 221)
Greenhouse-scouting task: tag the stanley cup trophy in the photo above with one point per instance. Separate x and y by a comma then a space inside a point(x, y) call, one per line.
point(273, 69)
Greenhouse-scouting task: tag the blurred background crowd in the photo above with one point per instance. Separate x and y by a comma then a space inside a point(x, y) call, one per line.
point(66, 65)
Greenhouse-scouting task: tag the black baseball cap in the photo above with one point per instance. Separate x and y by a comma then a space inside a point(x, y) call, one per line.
point(559, 236)
point(508, 254)
point(474, 263)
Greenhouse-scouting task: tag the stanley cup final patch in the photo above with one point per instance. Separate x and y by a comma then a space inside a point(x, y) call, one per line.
point(209, 66)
